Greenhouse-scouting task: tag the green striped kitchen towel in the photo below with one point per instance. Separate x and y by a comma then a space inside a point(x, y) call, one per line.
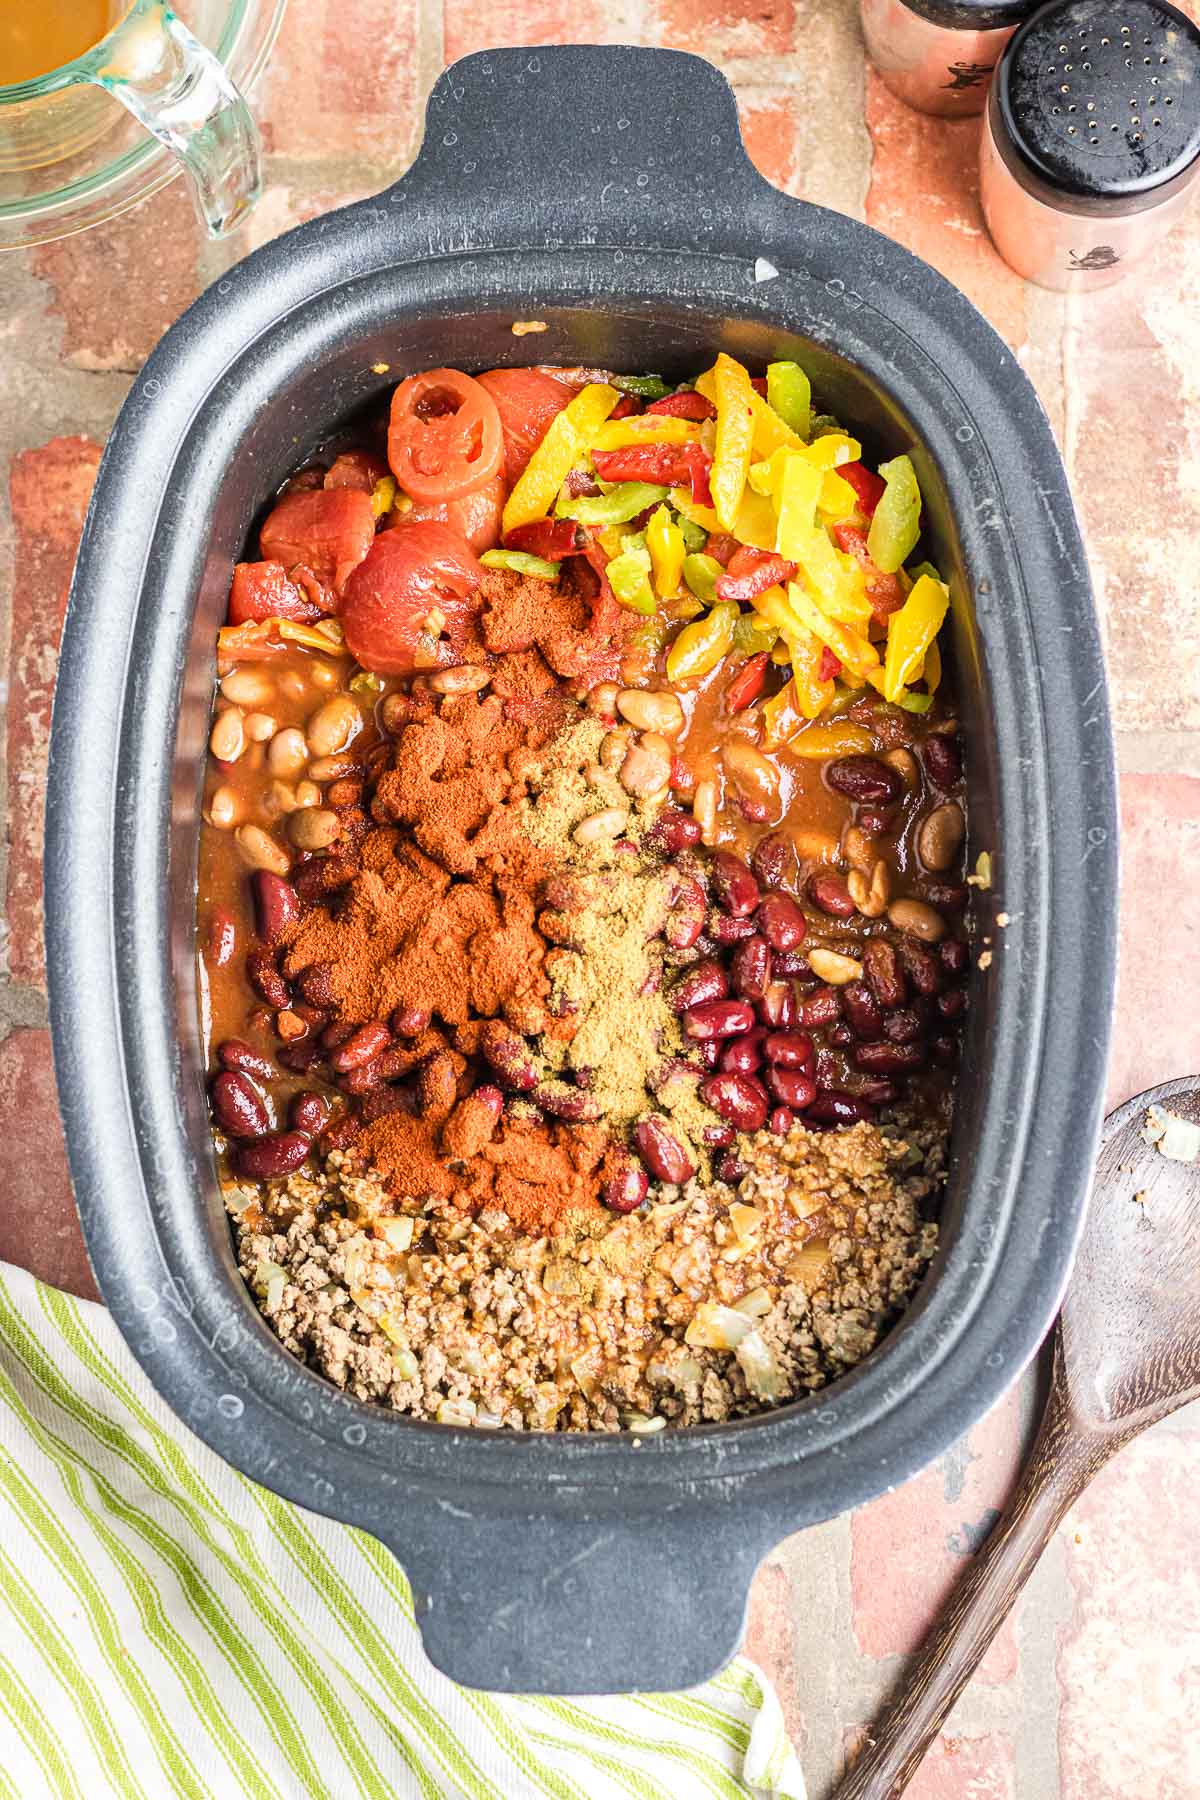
point(169, 1628)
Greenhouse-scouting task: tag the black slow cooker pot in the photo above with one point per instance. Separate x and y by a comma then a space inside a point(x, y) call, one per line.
point(604, 192)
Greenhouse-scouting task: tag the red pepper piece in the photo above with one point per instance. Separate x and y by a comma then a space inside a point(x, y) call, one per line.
point(747, 684)
point(752, 572)
point(759, 384)
point(626, 405)
point(885, 592)
point(666, 465)
point(866, 484)
point(721, 547)
point(686, 405)
point(549, 538)
point(828, 668)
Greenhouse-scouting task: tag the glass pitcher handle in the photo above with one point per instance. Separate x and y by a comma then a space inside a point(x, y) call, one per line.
point(181, 93)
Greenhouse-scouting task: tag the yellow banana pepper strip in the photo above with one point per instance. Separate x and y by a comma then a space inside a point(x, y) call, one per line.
point(567, 441)
point(834, 448)
point(735, 438)
point(798, 489)
point(664, 540)
point(840, 738)
point(837, 499)
point(781, 717)
point(932, 672)
point(854, 652)
point(770, 431)
point(911, 631)
point(813, 692)
point(700, 646)
point(654, 428)
point(756, 523)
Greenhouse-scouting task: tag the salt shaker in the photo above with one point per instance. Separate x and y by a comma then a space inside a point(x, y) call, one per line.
point(1091, 139)
point(938, 55)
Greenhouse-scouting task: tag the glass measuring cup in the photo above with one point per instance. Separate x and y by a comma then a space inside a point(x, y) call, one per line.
point(74, 148)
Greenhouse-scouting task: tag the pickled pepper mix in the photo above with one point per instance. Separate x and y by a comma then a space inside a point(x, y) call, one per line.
point(582, 905)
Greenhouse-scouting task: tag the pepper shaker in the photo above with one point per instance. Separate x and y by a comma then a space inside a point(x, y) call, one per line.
point(938, 55)
point(1091, 139)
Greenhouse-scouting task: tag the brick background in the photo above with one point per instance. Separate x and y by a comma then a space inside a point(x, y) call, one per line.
point(1090, 1693)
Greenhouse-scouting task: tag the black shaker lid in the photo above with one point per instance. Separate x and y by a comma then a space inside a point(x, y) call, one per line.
point(1102, 101)
point(972, 15)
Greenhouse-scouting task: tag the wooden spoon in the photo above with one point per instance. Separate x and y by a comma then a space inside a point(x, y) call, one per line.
point(1126, 1353)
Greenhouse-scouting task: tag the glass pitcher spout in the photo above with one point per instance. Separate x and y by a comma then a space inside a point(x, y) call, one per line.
point(182, 94)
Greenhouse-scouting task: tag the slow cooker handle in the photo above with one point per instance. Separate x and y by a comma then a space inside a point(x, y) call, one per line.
point(525, 1602)
point(564, 146)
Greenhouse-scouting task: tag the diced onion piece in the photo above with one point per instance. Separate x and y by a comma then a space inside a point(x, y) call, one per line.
point(456, 1412)
point(642, 1424)
point(266, 1272)
point(745, 1220)
point(756, 1304)
point(759, 1367)
point(398, 1232)
point(405, 1364)
point(810, 1265)
point(274, 1294)
point(716, 1327)
point(1173, 1137)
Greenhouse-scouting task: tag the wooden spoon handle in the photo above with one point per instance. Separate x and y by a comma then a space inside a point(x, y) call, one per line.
point(1063, 1461)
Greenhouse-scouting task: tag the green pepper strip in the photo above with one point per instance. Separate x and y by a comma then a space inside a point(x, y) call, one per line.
point(648, 387)
point(789, 393)
point(629, 579)
point(522, 562)
point(694, 536)
point(702, 574)
point(614, 508)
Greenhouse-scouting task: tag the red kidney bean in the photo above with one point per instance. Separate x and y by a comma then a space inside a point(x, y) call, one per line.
point(735, 887)
point(270, 1157)
point(742, 1055)
point(362, 1080)
point(921, 967)
point(345, 1129)
point(276, 904)
point(335, 1035)
point(710, 1053)
point(437, 1085)
point(410, 1021)
point(755, 812)
point(888, 1059)
point(661, 1150)
point(879, 1093)
point(706, 981)
point(314, 1017)
point(316, 984)
point(731, 1168)
point(361, 1047)
point(235, 1053)
point(769, 859)
point(717, 1137)
point(788, 1049)
point(872, 819)
point(742, 1099)
point(882, 972)
point(625, 1191)
point(794, 1087)
point(222, 937)
point(781, 1121)
point(718, 1019)
point(686, 915)
point(862, 1010)
point(727, 930)
point(750, 968)
point(907, 1025)
point(673, 831)
point(952, 954)
point(781, 922)
point(777, 1007)
point(943, 759)
point(238, 1107)
point(301, 1057)
point(790, 965)
point(833, 1106)
point(509, 1055)
point(828, 1070)
point(841, 1035)
point(309, 1113)
point(694, 866)
point(565, 1102)
point(865, 779)
point(953, 1003)
point(944, 1050)
point(831, 895)
point(266, 980)
point(822, 1007)
point(947, 896)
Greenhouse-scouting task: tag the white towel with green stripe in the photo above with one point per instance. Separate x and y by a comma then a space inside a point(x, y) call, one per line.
point(169, 1628)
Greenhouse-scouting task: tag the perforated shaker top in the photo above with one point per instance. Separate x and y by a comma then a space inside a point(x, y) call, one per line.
point(1102, 101)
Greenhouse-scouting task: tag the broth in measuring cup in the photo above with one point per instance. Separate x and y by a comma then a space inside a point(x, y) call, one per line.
point(36, 39)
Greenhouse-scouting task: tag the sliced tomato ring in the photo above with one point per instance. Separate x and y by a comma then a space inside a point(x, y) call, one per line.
point(444, 435)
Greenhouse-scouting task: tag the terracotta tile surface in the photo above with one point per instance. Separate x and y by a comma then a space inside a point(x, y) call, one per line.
point(1090, 1693)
